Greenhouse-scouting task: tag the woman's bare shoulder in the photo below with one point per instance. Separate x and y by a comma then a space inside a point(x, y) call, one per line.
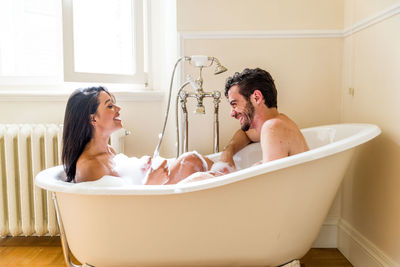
point(89, 169)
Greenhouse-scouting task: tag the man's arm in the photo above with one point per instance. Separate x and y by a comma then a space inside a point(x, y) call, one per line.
point(239, 140)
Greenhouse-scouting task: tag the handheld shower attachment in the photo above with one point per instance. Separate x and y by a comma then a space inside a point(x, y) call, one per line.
point(200, 62)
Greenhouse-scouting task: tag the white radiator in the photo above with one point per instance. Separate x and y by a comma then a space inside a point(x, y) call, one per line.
point(25, 150)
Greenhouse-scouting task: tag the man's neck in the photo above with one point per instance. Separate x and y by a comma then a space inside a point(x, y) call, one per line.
point(262, 116)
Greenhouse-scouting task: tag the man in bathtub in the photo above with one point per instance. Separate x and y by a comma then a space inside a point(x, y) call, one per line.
point(253, 99)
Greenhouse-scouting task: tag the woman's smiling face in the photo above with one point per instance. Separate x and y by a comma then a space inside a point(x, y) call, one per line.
point(107, 117)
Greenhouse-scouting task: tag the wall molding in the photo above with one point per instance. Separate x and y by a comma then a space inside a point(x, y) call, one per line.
point(261, 34)
point(359, 250)
point(290, 34)
point(372, 20)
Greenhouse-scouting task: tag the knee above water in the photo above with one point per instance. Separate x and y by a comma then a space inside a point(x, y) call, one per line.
point(195, 161)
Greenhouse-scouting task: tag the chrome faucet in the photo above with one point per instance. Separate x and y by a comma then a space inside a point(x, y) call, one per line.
point(199, 94)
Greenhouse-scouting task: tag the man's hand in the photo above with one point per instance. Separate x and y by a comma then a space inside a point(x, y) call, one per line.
point(221, 168)
point(227, 157)
point(238, 141)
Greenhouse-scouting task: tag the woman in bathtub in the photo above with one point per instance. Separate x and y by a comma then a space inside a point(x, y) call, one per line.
point(91, 116)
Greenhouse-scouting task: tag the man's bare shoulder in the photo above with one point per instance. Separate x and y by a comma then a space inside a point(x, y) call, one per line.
point(276, 125)
point(284, 132)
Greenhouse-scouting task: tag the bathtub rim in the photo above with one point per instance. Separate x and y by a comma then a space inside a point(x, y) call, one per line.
point(366, 133)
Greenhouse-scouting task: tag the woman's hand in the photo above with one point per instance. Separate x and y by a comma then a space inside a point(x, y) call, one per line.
point(147, 165)
point(158, 176)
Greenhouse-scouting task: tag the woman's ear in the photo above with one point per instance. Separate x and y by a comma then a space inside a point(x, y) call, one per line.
point(92, 119)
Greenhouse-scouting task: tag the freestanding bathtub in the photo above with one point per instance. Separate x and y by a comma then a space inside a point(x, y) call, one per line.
point(268, 214)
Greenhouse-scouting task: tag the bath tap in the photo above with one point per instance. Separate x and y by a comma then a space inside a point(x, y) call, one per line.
point(199, 94)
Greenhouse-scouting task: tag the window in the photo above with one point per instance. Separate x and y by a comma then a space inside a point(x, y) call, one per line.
point(100, 41)
point(30, 39)
point(103, 41)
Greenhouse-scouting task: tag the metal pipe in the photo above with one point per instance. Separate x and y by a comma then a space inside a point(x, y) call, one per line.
point(216, 131)
point(199, 95)
point(186, 136)
point(217, 100)
point(183, 98)
point(156, 152)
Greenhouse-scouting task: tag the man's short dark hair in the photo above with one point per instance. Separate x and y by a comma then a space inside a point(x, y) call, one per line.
point(250, 80)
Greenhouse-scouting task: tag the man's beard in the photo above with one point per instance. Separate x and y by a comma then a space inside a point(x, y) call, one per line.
point(248, 116)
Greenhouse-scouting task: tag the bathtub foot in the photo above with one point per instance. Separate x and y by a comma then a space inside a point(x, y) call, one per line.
point(64, 243)
point(295, 263)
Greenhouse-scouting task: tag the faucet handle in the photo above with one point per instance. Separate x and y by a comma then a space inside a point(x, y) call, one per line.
point(196, 85)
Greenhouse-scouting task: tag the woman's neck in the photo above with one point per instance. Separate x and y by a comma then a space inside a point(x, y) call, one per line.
point(98, 144)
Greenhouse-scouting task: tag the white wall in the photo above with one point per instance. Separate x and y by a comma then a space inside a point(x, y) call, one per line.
point(371, 202)
point(239, 15)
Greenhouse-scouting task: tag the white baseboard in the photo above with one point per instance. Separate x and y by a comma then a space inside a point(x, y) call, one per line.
point(338, 233)
point(327, 237)
point(359, 250)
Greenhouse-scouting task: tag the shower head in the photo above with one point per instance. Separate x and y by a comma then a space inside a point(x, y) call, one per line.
point(205, 61)
point(219, 69)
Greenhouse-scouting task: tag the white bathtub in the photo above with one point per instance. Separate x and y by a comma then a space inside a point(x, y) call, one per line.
point(264, 215)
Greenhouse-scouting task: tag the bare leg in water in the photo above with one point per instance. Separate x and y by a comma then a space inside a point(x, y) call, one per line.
point(181, 168)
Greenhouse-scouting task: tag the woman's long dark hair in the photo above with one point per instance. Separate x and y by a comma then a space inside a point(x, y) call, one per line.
point(77, 127)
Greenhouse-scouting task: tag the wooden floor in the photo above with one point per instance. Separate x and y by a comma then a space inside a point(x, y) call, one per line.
point(47, 252)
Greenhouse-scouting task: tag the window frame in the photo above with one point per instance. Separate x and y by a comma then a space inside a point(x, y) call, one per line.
point(70, 75)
